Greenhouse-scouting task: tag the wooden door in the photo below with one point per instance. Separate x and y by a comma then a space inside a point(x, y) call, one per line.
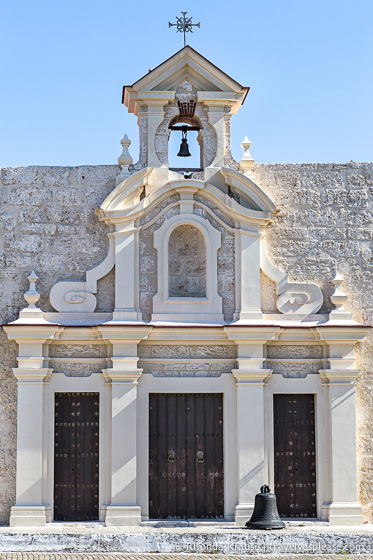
point(76, 456)
point(186, 479)
point(295, 455)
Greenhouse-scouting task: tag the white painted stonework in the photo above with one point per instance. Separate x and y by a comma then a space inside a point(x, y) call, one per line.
point(231, 212)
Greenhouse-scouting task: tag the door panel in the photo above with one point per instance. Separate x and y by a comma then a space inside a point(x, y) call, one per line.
point(186, 478)
point(76, 456)
point(295, 455)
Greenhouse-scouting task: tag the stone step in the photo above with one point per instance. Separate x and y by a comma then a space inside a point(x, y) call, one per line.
point(134, 556)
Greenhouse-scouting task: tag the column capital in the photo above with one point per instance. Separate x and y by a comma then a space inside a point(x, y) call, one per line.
point(251, 334)
point(115, 376)
point(30, 333)
point(339, 377)
point(32, 375)
point(131, 334)
point(342, 334)
point(252, 377)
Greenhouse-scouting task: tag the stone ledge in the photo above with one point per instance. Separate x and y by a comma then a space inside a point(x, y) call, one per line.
point(224, 540)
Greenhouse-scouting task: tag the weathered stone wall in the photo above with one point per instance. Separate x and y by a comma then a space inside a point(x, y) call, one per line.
point(186, 263)
point(226, 254)
point(48, 223)
point(324, 223)
point(78, 360)
point(148, 255)
point(182, 360)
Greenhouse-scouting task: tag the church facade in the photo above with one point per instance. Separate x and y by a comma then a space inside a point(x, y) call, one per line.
point(193, 363)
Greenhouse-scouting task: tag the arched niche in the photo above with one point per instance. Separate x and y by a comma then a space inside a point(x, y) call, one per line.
point(201, 307)
point(186, 262)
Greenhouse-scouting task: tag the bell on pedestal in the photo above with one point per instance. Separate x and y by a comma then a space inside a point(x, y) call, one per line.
point(265, 514)
point(184, 148)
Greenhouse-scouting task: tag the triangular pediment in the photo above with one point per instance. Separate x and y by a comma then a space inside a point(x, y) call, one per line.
point(187, 64)
point(188, 73)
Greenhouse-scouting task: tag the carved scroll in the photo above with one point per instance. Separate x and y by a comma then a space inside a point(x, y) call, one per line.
point(77, 297)
point(293, 297)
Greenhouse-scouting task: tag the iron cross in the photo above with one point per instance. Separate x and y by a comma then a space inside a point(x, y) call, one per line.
point(184, 25)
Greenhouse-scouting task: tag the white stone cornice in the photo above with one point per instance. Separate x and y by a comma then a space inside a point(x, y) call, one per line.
point(32, 375)
point(253, 376)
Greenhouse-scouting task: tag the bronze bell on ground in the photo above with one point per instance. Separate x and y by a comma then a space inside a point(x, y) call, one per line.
point(184, 148)
point(265, 514)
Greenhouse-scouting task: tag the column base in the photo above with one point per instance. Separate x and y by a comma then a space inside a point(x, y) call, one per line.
point(29, 516)
point(248, 316)
point(345, 513)
point(243, 513)
point(119, 516)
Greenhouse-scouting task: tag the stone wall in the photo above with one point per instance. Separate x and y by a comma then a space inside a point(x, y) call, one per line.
point(186, 263)
point(324, 223)
point(182, 360)
point(48, 224)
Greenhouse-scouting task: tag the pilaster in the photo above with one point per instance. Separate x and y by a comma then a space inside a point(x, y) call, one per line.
point(126, 275)
point(30, 508)
point(216, 116)
point(341, 505)
point(155, 117)
point(250, 379)
point(248, 276)
point(123, 376)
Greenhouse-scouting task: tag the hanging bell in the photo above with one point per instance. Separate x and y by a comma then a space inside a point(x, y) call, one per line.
point(265, 514)
point(184, 148)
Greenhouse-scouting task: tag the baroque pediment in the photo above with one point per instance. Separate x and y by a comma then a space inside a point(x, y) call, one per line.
point(230, 190)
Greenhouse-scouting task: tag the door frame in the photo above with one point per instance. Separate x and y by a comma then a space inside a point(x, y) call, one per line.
point(224, 384)
point(312, 384)
point(60, 383)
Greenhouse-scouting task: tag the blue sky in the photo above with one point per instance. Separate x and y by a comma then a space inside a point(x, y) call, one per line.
point(63, 65)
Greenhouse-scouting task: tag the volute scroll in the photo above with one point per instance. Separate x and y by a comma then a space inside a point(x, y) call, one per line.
point(298, 298)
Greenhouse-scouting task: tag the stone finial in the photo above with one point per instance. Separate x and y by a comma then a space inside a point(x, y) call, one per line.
point(32, 296)
point(339, 298)
point(124, 159)
point(247, 161)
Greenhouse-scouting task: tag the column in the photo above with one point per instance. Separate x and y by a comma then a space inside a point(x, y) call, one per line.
point(341, 505)
point(250, 382)
point(124, 375)
point(30, 508)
